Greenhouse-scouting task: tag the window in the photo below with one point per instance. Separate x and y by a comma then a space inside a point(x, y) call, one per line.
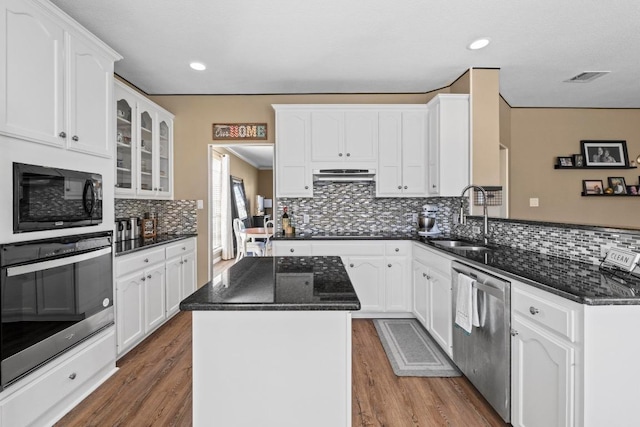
point(239, 197)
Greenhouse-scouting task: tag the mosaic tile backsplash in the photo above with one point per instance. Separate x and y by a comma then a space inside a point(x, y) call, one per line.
point(354, 207)
point(174, 216)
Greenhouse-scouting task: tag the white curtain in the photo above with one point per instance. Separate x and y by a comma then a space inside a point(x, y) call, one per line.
point(227, 229)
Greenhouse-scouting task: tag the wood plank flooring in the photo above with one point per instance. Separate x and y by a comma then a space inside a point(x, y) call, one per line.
point(153, 388)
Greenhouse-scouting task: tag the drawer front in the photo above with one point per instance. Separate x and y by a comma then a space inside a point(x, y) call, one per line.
point(350, 248)
point(397, 248)
point(291, 248)
point(181, 248)
point(139, 261)
point(432, 258)
point(34, 400)
point(542, 310)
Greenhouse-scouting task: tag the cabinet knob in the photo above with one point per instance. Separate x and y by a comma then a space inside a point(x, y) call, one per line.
point(292, 250)
point(185, 261)
point(143, 278)
point(339, 154)
point(514, 332)
point(62, 135)
point(184, 248)
point(306, 187)
point(397, 249)
point(533, 310)
point(433, 186)
point(148, 276)
point(424, 274)
point(75, 138)
point(146, 260)
point(399, 187)
point(405, 187)
point(348, 154)
point(389, 265)
point(181, 262)
point(72, 376)
point(351, 265)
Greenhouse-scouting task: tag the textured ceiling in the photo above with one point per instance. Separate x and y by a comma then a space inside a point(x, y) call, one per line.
point(373, 46)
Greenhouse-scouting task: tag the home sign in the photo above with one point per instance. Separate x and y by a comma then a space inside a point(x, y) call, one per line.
point(239, 131)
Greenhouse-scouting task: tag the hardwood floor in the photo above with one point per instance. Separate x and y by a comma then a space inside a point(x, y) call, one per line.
point(153, 387)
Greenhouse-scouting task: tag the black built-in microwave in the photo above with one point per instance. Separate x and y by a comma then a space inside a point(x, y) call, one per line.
point(48, 198)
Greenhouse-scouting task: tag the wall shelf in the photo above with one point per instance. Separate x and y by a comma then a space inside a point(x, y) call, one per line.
point(609, 195)
point(594, 167)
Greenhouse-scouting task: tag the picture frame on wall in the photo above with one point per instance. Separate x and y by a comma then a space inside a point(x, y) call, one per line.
point(565, 162)
point(578, 160)
point(605, 153)
point(618, 184)
point(592, 186)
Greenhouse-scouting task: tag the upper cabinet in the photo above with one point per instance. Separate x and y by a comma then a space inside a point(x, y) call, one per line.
point(293, 170)
point(57, 79)
point(402, 153)
point(344, 137)
point(144, 146)
point(448, 145)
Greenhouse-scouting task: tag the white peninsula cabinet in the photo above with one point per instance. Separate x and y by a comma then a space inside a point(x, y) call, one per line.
point(144, 146)
point(432, 294)
point(149, 287)
point(402, 153)
point(572, 364)
point(56, 79)
point(448, 145)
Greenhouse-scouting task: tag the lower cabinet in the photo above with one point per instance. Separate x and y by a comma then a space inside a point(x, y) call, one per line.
point(432, 295)
point(367, 275)
point(47, 394)
point(542, 377)
point(149, 287)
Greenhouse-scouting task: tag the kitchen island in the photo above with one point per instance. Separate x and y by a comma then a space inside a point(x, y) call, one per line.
point(272, 344)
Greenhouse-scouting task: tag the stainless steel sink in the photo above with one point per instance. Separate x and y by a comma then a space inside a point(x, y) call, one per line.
point(460, 245)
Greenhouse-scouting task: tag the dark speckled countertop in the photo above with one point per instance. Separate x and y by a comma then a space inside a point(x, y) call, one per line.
point(125, 247)
point(278, 283)
point(580, 282)
point(576, 281)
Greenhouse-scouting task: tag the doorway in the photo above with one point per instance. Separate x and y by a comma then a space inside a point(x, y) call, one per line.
point(250, 164)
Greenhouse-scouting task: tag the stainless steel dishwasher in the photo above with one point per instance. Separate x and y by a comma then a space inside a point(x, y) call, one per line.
point(484, 356)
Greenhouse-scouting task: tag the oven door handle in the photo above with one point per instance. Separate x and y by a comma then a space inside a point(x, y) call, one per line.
point(43, 265)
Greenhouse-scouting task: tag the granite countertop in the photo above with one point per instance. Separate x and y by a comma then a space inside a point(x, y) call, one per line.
point(124, 247)
point(576, 281)
point(278, 283)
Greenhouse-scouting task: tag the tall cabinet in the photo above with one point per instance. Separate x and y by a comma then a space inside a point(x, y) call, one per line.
point(144, 146)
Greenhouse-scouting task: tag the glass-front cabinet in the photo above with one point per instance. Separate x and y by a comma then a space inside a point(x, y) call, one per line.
point(144, 141)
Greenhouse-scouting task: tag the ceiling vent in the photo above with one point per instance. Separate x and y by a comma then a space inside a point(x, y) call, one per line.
point(586, 76)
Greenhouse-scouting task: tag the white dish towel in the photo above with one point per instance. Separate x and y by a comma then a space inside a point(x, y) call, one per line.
point(467, 304)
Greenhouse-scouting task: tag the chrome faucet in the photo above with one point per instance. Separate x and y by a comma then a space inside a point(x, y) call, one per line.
point(463, 218)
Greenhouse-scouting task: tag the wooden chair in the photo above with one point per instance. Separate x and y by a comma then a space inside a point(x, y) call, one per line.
point(267, 243)
point(244, 246)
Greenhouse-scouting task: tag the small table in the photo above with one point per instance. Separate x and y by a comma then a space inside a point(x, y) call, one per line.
point(258, 232)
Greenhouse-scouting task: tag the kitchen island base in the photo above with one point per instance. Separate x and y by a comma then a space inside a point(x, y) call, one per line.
point(272, 368)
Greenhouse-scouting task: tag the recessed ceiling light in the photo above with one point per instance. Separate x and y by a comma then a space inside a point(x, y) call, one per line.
point(198, 66)
point(479, 43)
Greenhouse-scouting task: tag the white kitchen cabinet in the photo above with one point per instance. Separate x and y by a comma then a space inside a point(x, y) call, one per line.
point(432, 294)
point(367, 276)
point(290, 248)
point(181, 274)
point(397, 278)
point(144, 146)
point(343, 137)
point(448, 145)
point(402, 154)
point(292, 163)
point(56, 78)
point(44, 396)
point(149, 287)
point(542, 377)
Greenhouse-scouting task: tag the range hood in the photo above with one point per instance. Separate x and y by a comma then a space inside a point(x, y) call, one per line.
point(344, 175)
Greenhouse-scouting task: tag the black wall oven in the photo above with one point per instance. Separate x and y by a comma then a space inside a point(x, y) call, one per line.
point(55, 293)
point(46, 198)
